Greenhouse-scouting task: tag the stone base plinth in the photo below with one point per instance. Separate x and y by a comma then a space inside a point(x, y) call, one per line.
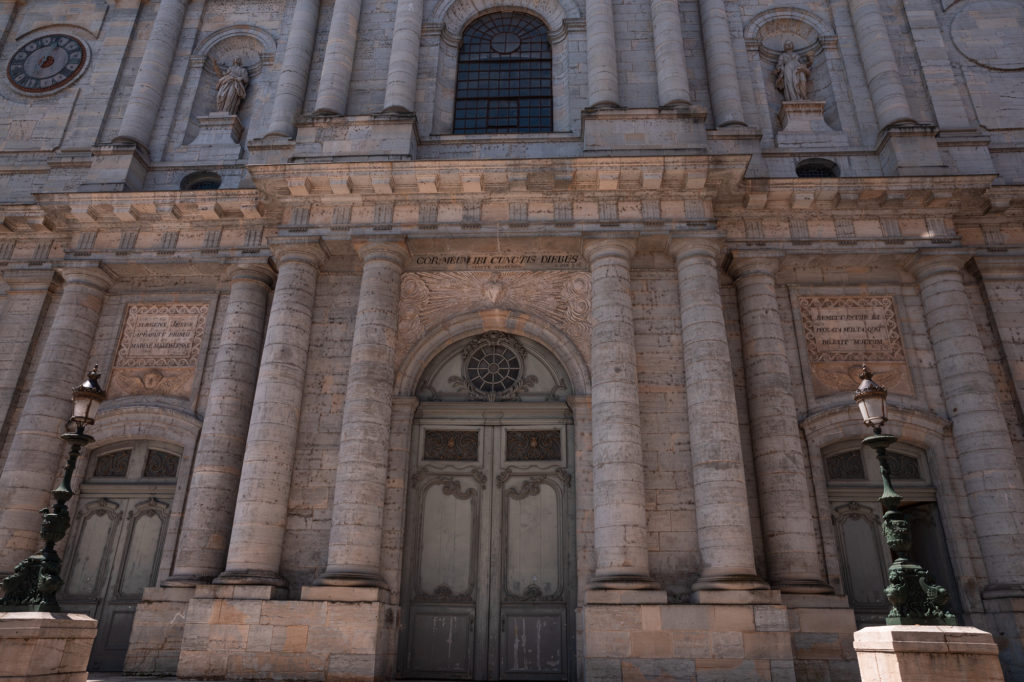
point(45, 647)
point(911, 150)
point(644, 130)
point(803, 125)
point(157, 630)
point(920, 653)
point(116, 168)
point(263, 639)
point(220, 134)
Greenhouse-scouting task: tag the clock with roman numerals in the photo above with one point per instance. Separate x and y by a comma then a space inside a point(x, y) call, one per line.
point(46, 63)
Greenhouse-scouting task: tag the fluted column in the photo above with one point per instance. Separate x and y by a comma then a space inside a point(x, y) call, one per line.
point(341, 48)
point(602, 67)
point(353, 555)
point(991, 476)
point(148, 89)
point(791, 545)
point(291, 84)
point(206, 528)
point(36, 450)
point(884, 80)
point(670, 59)
point(400, 93)
point(261, 509)
point(721, 64)
point(620, 516)
point(720, 488)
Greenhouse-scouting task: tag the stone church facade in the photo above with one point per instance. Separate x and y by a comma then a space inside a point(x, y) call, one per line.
point(460, 339)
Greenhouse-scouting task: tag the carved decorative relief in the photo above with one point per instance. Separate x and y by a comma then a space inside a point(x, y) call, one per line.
point(526, 446)
point(159, 349)
point(492, 368)
point(841, 332)
point(160, 465)
point(113, 464)
point(845, 466)
point(451, 446)
point(560, 298)
point(903, 466)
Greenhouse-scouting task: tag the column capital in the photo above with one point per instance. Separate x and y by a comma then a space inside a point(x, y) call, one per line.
point(1000, 267)
point(29, 279)
point(93, 274)
point(743, 265)
point(705, 246)
point(393, 250)
point(924, 264)
point(605, 247)
point(257, 272)
point(305, 249)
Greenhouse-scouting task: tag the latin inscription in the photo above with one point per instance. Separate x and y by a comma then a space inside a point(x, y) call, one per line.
point(500, 260)
point(159, 348)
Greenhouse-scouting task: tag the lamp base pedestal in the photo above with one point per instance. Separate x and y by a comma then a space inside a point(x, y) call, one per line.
point(892, 653)
point(45, 647)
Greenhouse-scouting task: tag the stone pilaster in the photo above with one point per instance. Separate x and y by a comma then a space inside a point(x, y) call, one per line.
point(991, 477)
point(355, 546)
point(602, 69)
point(884, 81)
point(791, 545)
point(291, 83)
point(670, 59)
point(206, 528)
point(720, 489)
point(721, 64)
point(27, 291)
point(400, 92)
point(336, 74)
point(148, 89)
point(36, 450)
point(620, 517)
point(257, 534)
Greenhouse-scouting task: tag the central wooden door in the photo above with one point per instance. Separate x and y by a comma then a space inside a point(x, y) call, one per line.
point(488, 592)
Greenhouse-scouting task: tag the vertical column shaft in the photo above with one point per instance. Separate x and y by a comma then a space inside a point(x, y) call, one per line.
point(791, 545)
point(995, 490)
point(720, 488)
point(27, 292)
point(148, 89)
point(336, 74)
point(620, 517)
point(670, 59)
point(602, 67)
point(36, 450)
point(257, 534)
point(884, 81)
point(298, 53)
point(721, 64)
point(355, 546)
point(206, 528)
point(400, 93)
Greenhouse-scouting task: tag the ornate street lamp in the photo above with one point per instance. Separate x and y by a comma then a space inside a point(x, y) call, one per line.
point(915, 596)
point(33, 585)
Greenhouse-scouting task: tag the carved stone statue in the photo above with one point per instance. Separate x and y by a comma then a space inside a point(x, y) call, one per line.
point(231, 87)
point(793, 74)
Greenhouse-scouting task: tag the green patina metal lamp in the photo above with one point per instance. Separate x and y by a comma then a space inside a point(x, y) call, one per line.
point(915, 596)
point(33, 585)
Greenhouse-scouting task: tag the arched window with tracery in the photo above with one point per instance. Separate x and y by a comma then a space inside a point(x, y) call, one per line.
point(504, 76)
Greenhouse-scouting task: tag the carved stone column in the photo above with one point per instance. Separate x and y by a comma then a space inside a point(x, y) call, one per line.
point(400, 93)
point(355, 546)
point(670, 59)
point(27, 291)
point(721, 63)
point(884, 81)
point(720, 488)
point(991, 475)
point(291, 84)
point(206, 528)
point(602, 68)
point(336, 74)
point(148, 89)
point(620, 516)
point(257, 534)
point(36, 450)
point(786, 514)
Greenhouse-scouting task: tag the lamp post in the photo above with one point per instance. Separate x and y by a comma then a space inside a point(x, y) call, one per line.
point(915, 596)
point(33, 585)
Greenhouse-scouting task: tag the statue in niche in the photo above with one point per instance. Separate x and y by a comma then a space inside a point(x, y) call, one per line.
point(793, 74)
point(231, 87)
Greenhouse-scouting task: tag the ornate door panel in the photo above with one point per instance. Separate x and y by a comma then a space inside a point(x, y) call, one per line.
point(488, 591)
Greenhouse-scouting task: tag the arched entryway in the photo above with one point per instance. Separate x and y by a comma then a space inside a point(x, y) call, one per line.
point(489, 587)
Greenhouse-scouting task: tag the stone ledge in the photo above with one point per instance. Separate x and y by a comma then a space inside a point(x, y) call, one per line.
point(626, 597)
point(340, 594)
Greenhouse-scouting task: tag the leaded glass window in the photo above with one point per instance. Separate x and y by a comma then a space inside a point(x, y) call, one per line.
point(504, 76)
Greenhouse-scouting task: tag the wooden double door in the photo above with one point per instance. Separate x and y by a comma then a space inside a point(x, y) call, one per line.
point(489, 587)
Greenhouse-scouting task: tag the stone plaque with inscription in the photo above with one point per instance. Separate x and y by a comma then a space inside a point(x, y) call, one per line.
point(843, 332)
point(159, 349)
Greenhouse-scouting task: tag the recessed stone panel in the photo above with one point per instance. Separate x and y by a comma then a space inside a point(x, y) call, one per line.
point(159, 349)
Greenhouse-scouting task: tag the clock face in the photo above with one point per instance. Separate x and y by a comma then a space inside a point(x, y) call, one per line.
point(46, 63)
